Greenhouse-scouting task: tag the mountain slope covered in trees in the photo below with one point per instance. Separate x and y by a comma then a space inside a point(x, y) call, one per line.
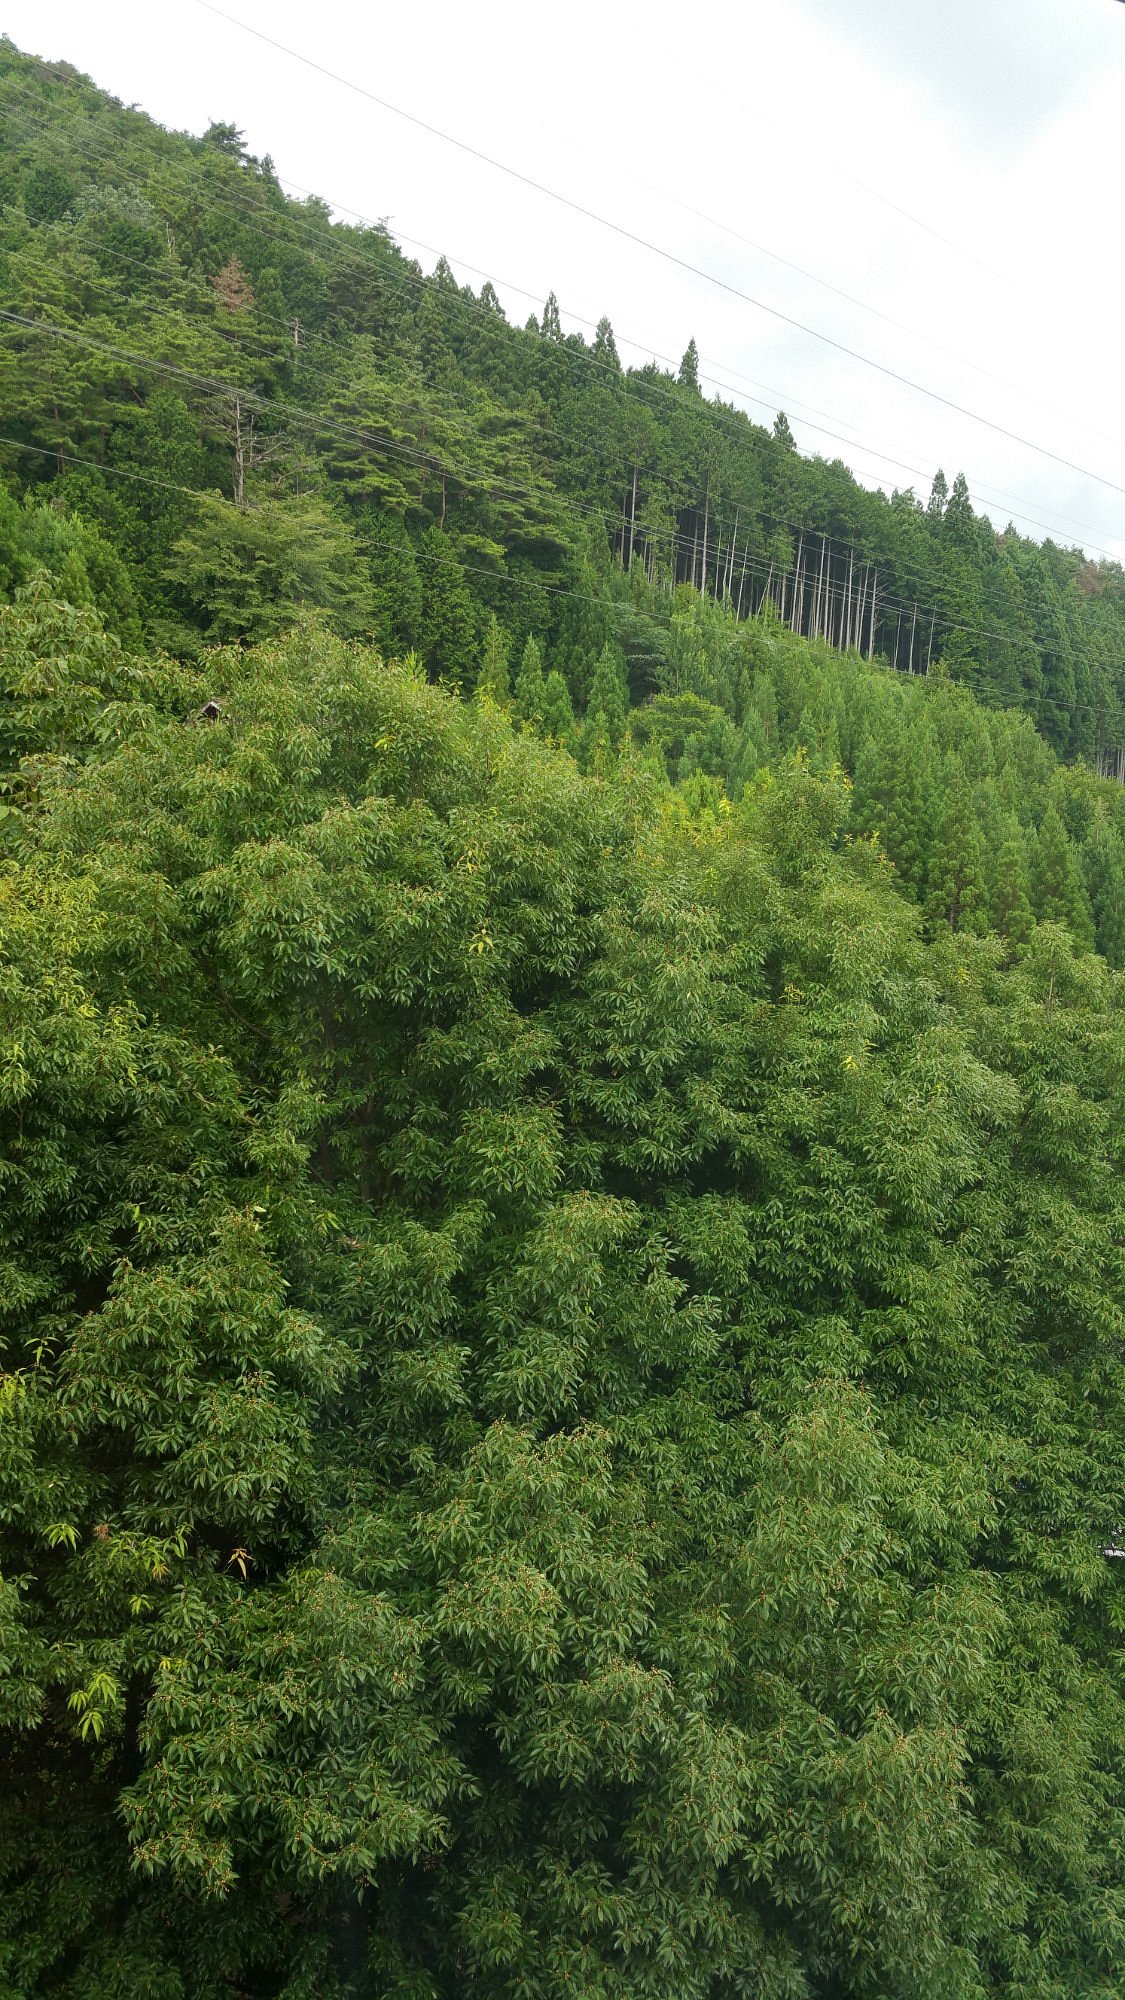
point(400, 454)
point(562, 1409)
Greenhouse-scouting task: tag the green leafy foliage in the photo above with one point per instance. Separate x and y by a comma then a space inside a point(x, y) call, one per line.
point(184, 329)
point(561, 1391)
point(562, 1410)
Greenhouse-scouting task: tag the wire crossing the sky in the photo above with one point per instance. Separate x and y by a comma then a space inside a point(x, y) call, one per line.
point(658, 250)
point(241, 205)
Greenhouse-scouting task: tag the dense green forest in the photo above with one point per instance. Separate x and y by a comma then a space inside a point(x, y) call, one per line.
point(391, 449)
point(562, 1045)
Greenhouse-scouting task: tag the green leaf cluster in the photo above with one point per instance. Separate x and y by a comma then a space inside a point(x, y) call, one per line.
point(561, 1410)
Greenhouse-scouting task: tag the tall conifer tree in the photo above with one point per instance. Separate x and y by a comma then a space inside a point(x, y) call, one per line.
point(956, 884)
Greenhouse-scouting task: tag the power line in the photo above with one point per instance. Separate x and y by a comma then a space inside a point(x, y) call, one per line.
point(853, 443)
point(759, 114)
point(781, 400)
point(914, 333)
point(681, 541)
point(320, 423)
point(658, 250)
point(522, 581)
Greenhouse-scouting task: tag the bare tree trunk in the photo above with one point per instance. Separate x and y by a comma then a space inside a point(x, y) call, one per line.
point(632, 518)
point(239, 456)
point(820, 614)
point(706, 524)
point(814, 608)
point(794, 622)
point(741, 586)
point(913, 623)
point(848, 609)
point(930, 641)
point(874, 613)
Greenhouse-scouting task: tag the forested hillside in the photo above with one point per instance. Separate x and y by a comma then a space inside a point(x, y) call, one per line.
point(397, 452)
point(562, 1044)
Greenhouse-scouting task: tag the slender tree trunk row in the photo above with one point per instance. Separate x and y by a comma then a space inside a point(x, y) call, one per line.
point(817, 595)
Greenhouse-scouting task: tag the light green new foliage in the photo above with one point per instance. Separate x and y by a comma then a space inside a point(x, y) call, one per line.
point(562, 1403)
point(245, 574)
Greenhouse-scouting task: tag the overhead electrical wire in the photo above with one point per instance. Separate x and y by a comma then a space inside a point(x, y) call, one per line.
point(673, 538)
point(888, 319)
point(322, 423)
point(410, 278)
point(370, 438)
point(758, 113)
point(213, 385)
point(656, 249)
point(524, 582)
point(781, 401)
point(854, 443)
point(754, 566)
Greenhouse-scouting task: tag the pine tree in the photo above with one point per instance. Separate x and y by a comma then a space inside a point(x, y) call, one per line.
point(597, 751)
point(583, 629)
point(1057, 891)
point(493, 683)
point(609, 692)
point(783, 433)
point(891, 798)
point(449, 625)
point(605, 346)
point(689, 367)
point(959, 523)
point(531, 688)
point(957, 894)
point(439, 324)
point(1104, 866)
point(490, 348)
point(398, 591)
point(551, 326)
point(939, 495)
point(558, 712)
point(1010, 912)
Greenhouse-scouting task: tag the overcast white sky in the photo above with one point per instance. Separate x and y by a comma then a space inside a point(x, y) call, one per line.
point(953, 165)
